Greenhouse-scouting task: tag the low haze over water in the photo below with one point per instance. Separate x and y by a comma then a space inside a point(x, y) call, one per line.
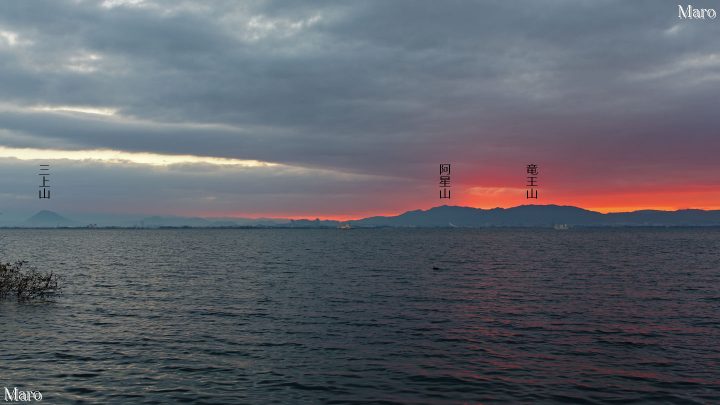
point(368, 315)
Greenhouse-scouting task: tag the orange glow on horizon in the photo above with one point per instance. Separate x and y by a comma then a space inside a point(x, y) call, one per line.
point(703, 198)
point(353, 217)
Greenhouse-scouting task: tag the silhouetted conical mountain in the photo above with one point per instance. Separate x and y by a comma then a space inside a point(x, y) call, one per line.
point(48, 219)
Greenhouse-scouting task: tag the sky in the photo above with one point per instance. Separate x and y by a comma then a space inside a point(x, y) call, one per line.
point(346, 109)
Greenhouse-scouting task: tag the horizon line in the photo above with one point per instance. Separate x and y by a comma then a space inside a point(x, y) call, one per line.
point(344, 218)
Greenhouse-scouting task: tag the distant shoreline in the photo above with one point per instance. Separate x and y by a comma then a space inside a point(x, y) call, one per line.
point(445, 216)
point(162, 228)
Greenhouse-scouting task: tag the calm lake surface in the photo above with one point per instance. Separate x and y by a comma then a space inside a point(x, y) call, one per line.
point(368, 316)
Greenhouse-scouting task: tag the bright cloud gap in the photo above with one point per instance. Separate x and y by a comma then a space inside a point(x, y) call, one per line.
point(105, 155)
point(77, 109)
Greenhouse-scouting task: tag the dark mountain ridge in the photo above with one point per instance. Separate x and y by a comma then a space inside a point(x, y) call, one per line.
point(539, 216)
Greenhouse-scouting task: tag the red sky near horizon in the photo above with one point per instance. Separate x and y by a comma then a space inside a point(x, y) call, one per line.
point(688, 197)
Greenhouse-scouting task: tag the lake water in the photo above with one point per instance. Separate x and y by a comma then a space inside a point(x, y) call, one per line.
point(368, 316)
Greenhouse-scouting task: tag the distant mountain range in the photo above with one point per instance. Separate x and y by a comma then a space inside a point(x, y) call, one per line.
point(438, 217)
point(539, 216)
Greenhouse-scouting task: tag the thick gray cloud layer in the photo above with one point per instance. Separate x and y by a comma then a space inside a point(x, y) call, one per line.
point(370, 87)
